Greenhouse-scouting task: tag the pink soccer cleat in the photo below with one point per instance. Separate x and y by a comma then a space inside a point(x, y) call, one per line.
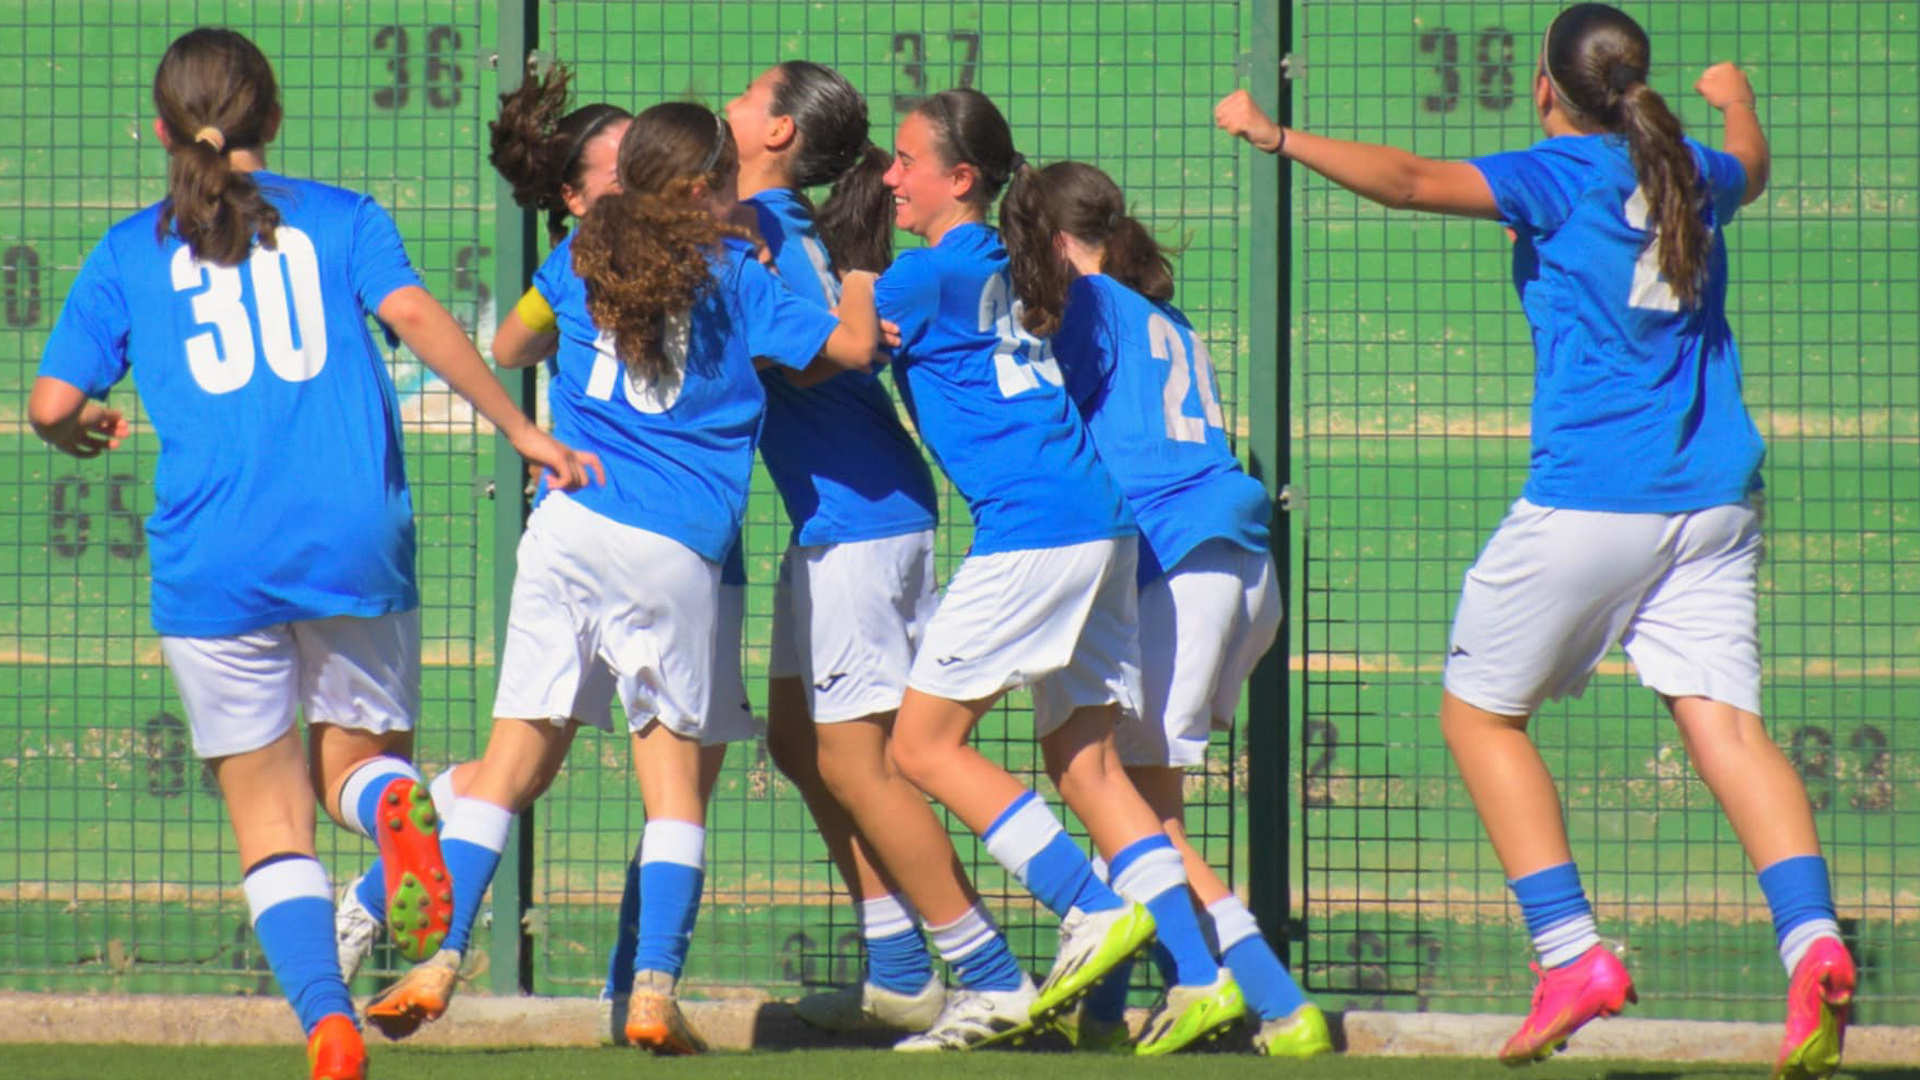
point(1595, 985)
point(1818, 1000)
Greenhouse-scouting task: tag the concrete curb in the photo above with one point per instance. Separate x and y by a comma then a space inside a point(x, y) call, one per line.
point(752, 1021)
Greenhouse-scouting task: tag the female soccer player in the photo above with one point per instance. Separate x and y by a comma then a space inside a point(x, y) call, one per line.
point(857, 581)
point(1635, 525)
point(240, 304)
point(1092, 278)
point(1044, 599)
point(617, 588)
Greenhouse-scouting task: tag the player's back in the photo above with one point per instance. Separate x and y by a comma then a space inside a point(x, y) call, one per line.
point(280, 487)
point(1145, 384)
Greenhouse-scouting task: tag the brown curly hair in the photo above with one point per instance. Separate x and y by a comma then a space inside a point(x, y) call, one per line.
point(537, 145)
point(646, 252)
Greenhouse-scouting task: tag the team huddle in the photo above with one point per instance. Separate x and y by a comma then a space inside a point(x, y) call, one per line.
point(700, 309)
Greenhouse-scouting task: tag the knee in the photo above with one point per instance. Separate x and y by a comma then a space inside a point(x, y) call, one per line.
point(915, 759)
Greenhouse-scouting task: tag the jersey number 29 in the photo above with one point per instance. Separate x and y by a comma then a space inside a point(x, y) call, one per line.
point(1020, 360)
point(286, 295)
point(1165, 341)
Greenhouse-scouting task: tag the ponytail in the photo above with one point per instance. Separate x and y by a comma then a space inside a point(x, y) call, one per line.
point(215, 93)
point(1596, 59)
point(538, 150)
point(856, 223)
point(1081, 201)
point(1671, 179)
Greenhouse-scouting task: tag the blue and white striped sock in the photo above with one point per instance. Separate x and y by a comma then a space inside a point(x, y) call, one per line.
point(292, 908)
point(672, 871)
point(1029, 841)
point(471, 840)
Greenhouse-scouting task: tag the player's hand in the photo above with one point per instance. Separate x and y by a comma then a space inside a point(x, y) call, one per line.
point(889, 334)
point(93, 431)
point(566, 468)
point(1238, 115)
point(1724, 85)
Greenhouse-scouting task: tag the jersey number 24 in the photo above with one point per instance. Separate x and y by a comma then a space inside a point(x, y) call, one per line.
point(1166, 342)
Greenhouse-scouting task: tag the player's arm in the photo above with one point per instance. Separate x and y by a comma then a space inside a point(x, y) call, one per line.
point(1726, 88)
point(433, 335)
point(71, 422)
point(529, 334)
point(854, 345)
point(1384, 174)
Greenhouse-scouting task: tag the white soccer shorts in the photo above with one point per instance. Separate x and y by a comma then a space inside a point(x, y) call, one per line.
point(1555, 589)
point(847, 618)
point(240, 690)
point(1203, 626)
point(601, 609)
point(1061, 621)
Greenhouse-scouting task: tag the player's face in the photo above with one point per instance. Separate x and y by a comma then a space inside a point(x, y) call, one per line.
point(752, 117)
point(922, 186)
point(599, 169)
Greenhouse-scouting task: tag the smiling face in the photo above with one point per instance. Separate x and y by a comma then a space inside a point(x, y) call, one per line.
point(599, 169)
point(927, 194)
point(755, 128)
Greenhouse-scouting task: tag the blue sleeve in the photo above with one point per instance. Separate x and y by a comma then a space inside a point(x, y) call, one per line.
point(555, 277)
point(1531, 192)
point(1726, 179)
point(88, 346)
point(1084, 345)
point(908, 295)
point(777, 324)
point(380, 264)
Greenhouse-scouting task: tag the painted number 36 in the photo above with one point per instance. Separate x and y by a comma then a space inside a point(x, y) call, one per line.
point(286, 300)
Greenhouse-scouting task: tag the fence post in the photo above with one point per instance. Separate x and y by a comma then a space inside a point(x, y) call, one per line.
point(515, 258)
point(1269, 727)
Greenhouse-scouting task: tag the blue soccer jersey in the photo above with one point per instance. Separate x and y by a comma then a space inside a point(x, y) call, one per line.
point(678, 451)
point(987, 398)
point(1636, 403)
point(280, 492)
point(1145, 384)
point(844, 464)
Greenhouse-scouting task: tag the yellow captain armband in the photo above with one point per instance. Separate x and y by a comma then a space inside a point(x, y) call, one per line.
point(535, 312)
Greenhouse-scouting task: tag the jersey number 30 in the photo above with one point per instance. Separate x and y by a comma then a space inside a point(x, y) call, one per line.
point(286, 296)
point(1165, 341)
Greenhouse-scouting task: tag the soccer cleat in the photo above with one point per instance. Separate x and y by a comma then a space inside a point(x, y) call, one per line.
point(1094, 1036)
point(868, 1007)
point(1818, 1000)
point(1302, 1035)
point(1567, 998)
point(976, 1018)
point(1189, 1014)
point(334, 1050)
point(420, 995)
point(354, 930)
point(419, 892)
point(654, 1019)
point(1090, 946)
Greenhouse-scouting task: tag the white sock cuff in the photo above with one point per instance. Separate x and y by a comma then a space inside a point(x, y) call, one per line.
point(965, 935)
point(1100, 868)
point(1232, 922)
point(444, 797)
point(1565, 942)
point(885, 916)
point(669, 841)
point(288, 879)
point(477, 822)
point(1151, 874)
point(1023, 834)
point(1793, 947)
point(379, 771)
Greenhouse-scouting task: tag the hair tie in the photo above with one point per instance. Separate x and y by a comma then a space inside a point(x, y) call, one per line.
point(1622, 77)
point(719, 142)
point(212, 137)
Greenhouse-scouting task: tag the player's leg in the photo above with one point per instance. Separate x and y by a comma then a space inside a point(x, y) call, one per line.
point(240, 693)
point(1552, 591)
point(522, 757)
point(360, 916)
point(672, 871)
point(1695, 639)
point(360, 685)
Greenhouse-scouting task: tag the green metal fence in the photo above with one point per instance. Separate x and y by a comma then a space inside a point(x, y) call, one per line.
point(1413, 372)
point(116, 868)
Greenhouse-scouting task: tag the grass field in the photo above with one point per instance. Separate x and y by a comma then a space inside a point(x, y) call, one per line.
point(61, 1062)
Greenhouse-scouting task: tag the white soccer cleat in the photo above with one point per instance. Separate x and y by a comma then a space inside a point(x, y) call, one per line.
point(354, 930)
point(867, 1007)
point(1091, 944)
point(975, 1018)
